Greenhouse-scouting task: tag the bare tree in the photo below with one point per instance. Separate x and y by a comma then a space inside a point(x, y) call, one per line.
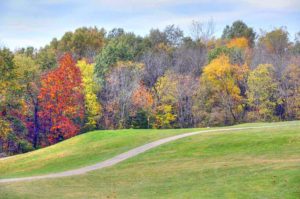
point(118, 90)
point(189, 60)
point(156, 63)
point(203, 31)
point(186, 87)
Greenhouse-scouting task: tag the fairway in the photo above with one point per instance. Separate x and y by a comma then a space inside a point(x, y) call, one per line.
point(80, 151)
point(252, 163)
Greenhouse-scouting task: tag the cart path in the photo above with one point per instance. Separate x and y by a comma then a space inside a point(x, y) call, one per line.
point(131, 153)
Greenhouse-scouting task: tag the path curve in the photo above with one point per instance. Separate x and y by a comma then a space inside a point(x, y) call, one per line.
point(126, 155)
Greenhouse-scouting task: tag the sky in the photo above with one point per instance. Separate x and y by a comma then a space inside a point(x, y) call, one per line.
point(36, 22)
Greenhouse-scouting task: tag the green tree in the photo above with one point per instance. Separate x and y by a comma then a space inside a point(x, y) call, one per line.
point(12, 103)
point(84, 42)
point(46, 58)
point(28, 76)
point(117, 49)
point(239, 29)
point(7, 71)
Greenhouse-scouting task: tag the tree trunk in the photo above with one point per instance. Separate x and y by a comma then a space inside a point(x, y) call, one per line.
point(36, 126)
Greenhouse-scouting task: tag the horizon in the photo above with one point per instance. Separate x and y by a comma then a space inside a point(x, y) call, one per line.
point(21, 27)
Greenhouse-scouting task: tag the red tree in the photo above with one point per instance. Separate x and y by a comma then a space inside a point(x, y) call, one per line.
point(61, 101)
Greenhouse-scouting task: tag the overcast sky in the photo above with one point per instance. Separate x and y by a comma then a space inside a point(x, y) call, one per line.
point(35, 23)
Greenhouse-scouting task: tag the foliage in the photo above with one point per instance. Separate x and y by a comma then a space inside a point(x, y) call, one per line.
point(7, 77)
point(239, 42)
point(166, 88)
point(84, 42)
point(291, 79)
point(239, 29)
point(116, 50)
point(5, 129)
point(165, 116)
point(46, 58)
point(262, 93)
point(216, 52)
point(142, 98)
point(140, 120)
point(275, 41)
point(161, 80)
point(226, 80)
point(92, 106)
point(61, 101)
point(120, 85)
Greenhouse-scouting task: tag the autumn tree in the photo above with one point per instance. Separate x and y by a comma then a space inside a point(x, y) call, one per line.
point(46, 58)
point(28, 76)
point(8, 95)
point(116, 50)
point(239, 29)
point(166, 102)
point(61, 101)
point(273, 48)
point(291, 90)
point(117, 93)
point(83, 42)
point(238, 42)
point(141, 109)
point(225, 80)
point(7, 77)
point(262, 93)
point(174, 100)
point(92, 106)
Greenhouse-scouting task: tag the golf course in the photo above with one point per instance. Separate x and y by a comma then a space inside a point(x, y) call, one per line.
point(258, 160)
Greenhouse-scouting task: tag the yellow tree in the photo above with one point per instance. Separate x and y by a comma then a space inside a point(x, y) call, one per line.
point(166, 101)
point(239, 42)
point(226, 82)
point(174, 100)
point(262, 92)
point(92, 106)
point(5, 129)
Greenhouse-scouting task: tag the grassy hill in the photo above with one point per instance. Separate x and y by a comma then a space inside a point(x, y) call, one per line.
point(252, 163)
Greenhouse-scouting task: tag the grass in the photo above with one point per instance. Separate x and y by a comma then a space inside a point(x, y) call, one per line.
point(253, 163)
point(82, 150)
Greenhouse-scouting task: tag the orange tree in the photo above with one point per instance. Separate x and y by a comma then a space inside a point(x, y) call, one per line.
point(61, 101)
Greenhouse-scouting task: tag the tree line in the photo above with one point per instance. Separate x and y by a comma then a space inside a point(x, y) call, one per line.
point(92, 79)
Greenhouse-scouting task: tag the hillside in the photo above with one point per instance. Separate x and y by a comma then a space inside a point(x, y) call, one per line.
point(252, 163)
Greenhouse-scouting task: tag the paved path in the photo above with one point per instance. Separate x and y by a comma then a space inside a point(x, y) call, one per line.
point(128, 154)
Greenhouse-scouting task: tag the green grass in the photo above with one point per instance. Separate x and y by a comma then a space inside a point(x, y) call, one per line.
point(253, 163)
point(82, 150)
